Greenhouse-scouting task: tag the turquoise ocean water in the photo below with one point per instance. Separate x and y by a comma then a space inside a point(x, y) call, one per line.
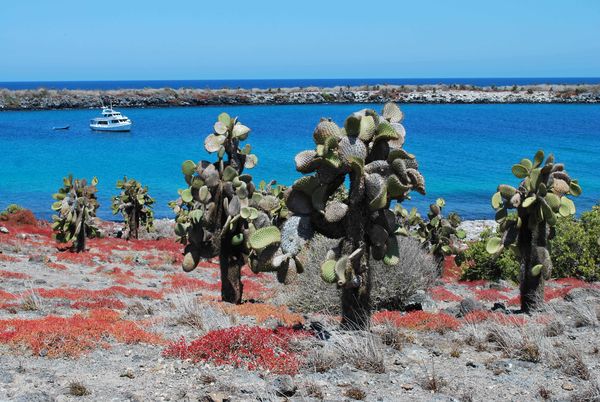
point(464, 151)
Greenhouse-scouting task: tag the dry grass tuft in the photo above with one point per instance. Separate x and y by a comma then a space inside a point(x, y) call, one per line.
point(355, 393)
point(314, 391)
point(544, 393)
point(76, 388)
point(432, 381)
point(362, 350)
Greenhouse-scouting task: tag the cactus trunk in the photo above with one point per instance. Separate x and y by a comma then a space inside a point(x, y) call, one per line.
point(134, 224)
point(531, 286)
point(356, 301)
point(80, 246)
point(231, 262)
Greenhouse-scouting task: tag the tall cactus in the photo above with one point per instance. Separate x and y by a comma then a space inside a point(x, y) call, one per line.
point(368, 152)
point(215, 214)
point(76, 206)
point(135, 204)
point(539, 200)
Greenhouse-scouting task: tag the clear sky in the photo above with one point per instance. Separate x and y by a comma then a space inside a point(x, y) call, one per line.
point(199, 39)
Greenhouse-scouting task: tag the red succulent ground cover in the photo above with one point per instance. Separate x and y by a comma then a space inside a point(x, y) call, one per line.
point(475, 317)
point(8, 258)
point(72, 336)
point(474, 284)
point(440, 293)
point(111, 303)
point(418, 320)
point(13, 275)
point(56, 265)
point(490, 295)
point(75, 294)
point(185, 281)
point(254, 348)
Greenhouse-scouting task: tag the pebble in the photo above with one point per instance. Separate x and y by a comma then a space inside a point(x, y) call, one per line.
point(407, 387)
point(3, 229)
point(567, 386)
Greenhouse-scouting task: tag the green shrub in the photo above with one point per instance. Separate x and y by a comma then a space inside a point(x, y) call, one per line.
point(11, 209)
point(574, 249)
point(591, 224)
point(477, 263)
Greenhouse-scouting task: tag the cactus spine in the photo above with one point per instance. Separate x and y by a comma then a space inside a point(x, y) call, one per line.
point(135, 204)
point(367, 151)
point(539, 200)
point(76, 206)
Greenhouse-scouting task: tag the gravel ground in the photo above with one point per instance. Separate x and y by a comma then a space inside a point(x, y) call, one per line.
point(552, 355)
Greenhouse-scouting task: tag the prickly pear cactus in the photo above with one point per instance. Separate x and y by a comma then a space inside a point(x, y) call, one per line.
point(219, 211)
point(539, 200)
point(367, 153)
point(76, 206)
point(281, 256)
point(135, 204)
point(439, 235)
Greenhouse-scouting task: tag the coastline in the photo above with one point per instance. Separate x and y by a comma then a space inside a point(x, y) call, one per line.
point(50, 99)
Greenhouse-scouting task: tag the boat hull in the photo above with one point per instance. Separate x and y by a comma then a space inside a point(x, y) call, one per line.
point(112, 127)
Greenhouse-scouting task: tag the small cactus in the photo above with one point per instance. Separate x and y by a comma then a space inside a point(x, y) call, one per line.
point(368, 151)
point(540, 200)
point(439, 235)
point(135, 204)
point(76, 206)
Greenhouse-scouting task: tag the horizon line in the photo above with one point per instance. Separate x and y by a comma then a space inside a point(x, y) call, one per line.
point(301, 78)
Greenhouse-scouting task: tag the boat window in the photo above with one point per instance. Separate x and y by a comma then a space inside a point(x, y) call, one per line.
point(102, 122)
point(114, 121)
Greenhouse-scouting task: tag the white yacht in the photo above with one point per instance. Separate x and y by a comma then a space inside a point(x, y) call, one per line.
point(111, 120)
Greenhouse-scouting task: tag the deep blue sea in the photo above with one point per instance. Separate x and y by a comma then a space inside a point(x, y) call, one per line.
point(289, 83)
point(464, 151)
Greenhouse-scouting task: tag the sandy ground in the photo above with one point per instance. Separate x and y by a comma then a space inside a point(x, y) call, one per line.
point(479, 356)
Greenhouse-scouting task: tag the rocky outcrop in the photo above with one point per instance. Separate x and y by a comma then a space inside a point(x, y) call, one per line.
point(40, 99)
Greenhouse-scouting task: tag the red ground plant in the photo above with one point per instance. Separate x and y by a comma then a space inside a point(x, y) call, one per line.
point(418, 320)
point(75, 294)
point(254, 348)
point(73, 336)
point(13, 275)
point(491, 295)
point(440, 293)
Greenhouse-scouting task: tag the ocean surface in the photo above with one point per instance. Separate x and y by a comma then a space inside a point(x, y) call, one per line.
point(290, 83)
point(464, 151)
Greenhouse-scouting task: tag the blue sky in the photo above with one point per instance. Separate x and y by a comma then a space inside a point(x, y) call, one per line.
point(197, 39)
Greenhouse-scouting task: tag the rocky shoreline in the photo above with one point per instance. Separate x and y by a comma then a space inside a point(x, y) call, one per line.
point(44, 99)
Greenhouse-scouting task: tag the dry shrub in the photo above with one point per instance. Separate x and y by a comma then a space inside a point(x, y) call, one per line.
point(314, 391)
point(392, 336)
point(355, 393)
point(590, 394)
point(522, 341)
point(544, 393)
point(570, 360)
point(310, 294)
point(189, 310)
point(431, 380)
point(391, 285)
point(78, 389)
point(362, 350)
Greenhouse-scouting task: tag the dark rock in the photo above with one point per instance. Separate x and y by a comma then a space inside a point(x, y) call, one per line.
point(420, 301)
point(468, 305)
point(471, 364)
point(284, 386)
point(500, 306)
